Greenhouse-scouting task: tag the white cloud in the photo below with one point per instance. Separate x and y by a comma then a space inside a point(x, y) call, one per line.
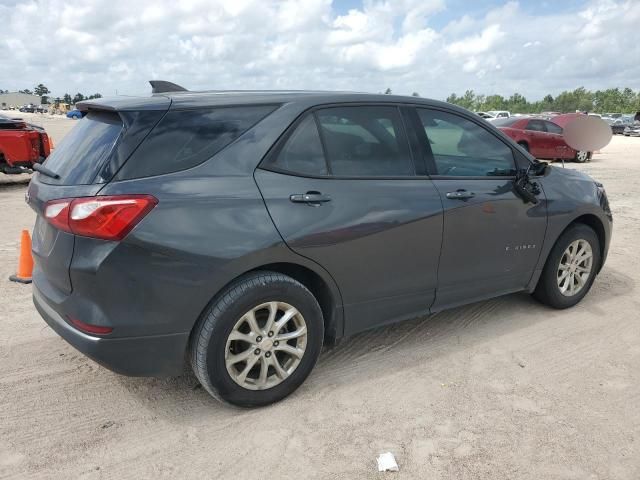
point(476, 44)
point(109, 45)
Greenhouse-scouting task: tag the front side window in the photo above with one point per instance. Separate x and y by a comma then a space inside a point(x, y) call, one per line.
point(461, 147)
point(365, 141)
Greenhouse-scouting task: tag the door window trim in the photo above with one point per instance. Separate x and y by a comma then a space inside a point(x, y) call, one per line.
point(267, 161)
point(428, 153)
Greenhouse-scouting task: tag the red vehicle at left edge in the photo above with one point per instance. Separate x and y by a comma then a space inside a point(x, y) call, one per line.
point(21, 145)
point(542, 138)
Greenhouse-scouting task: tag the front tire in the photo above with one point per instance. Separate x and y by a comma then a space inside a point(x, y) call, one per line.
point(258, 341)
point(570, 269)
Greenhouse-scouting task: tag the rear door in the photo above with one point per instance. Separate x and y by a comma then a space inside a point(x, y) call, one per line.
point(540, 145)
point(344, 191)
point(492, 238)
point(559, 148)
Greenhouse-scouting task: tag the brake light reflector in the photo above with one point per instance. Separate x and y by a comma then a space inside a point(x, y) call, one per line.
point(107, 218)
point(88, 328)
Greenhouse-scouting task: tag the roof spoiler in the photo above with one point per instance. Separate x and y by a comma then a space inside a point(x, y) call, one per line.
point(162, 86)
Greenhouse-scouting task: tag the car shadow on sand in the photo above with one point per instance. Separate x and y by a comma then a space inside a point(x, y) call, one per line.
point(392, 348)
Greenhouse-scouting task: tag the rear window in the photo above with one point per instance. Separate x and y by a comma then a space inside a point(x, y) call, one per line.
point(186, 138)
point(83, 151)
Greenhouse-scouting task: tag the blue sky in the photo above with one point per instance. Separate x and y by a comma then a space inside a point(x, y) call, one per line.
point(433, 47)
point(475, 8)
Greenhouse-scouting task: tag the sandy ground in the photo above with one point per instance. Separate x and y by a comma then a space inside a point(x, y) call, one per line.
point(500, 389)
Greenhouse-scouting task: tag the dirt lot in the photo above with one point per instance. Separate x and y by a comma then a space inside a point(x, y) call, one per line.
point(500, 389)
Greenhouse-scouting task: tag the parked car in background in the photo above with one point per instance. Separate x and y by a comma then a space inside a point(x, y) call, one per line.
point(540, 137)
point(484, 115)
point(42, 109)
point(75, 114)
point(618, 124)
point(632, 130)
point(28, 108)
point(21, 145)
point(242, 230)
point(499, 113)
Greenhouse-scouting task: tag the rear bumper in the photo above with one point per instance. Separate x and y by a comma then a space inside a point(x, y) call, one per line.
point(147, 356)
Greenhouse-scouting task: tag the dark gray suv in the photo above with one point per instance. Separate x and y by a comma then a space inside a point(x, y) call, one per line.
point(241, 231)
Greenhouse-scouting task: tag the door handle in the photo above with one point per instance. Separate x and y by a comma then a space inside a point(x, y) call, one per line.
point(460, 195)
point(310, 198)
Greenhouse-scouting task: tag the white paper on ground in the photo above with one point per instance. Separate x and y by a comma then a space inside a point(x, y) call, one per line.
point(387, 463)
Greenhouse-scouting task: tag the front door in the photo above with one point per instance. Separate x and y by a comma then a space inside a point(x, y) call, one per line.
point(342, 190)
point(491, 237)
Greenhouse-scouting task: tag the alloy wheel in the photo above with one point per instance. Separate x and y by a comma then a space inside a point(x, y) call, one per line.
point(582, 156)
point(575, 267)
point(266, 345)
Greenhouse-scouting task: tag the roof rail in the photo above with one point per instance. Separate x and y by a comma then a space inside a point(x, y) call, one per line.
point(162, 86)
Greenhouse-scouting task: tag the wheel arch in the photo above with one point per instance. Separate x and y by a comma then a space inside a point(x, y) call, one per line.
point(589, 219)
point(320, 289)
point(592, 221)
point(596, 224)
point(323, 289)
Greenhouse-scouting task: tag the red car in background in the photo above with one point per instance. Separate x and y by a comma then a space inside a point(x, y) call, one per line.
point(542, 138)
point(21, 145)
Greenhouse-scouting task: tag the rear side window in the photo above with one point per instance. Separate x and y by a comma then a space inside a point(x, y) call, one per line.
point(186, 138)
point(553, 128)
point(302, 152)
point(84, 150)
point(536, 126)
point(365, 141)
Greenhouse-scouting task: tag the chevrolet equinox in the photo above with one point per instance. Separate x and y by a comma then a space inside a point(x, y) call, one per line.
point(240, 231)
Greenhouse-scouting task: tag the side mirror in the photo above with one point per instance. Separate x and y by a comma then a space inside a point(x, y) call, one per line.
point(525, 188)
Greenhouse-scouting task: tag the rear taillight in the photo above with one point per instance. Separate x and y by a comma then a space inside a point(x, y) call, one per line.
point(107, 218)
point(35, 147)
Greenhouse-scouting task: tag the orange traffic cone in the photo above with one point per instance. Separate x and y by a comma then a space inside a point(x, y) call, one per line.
point(25, 263)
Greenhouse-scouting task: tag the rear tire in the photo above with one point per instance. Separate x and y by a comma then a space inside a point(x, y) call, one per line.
point(582, 156)
point(566, 280)
point(235, 344)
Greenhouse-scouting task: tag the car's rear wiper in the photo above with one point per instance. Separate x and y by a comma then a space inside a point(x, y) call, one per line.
point(45, 171)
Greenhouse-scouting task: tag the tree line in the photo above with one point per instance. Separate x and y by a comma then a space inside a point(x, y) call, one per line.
point(612, 100)
point(43, 92)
